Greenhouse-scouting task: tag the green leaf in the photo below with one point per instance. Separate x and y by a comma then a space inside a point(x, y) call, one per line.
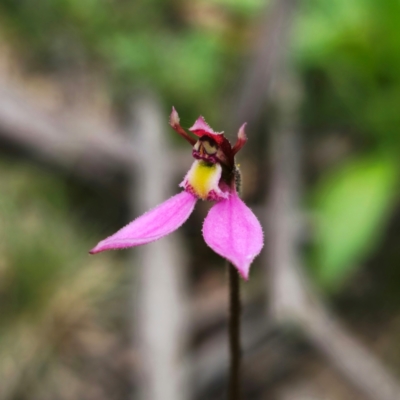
point(352, 204)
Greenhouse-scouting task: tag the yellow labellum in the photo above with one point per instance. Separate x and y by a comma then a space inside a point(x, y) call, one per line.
point(204, 177)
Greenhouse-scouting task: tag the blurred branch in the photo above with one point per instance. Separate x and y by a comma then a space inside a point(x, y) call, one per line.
point(271, 46)
point(159, 303)
point(79, 146)
point(84, 150)
point(292, 298)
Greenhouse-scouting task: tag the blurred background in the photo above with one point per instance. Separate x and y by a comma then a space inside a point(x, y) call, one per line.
point(86, 88)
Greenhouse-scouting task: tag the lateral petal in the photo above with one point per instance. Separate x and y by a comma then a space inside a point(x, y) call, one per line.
point(234, 232)
point(151, 226)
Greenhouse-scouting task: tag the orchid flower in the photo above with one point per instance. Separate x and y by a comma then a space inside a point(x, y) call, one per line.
point(230, 228)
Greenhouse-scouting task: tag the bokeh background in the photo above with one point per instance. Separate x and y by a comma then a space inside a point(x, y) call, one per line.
point(86, 88)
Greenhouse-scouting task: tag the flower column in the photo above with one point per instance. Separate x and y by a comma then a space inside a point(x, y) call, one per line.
point(158, 299)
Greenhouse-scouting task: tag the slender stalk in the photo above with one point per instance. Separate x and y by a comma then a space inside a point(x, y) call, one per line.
point(234, 333)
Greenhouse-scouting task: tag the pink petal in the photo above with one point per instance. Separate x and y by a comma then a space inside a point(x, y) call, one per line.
point(152, 225)
point(233, 231)
point(201, 128)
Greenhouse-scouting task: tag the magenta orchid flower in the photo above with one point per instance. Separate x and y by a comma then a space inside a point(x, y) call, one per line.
point(230, 228)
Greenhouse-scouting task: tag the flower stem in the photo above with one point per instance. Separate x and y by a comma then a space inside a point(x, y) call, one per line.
point(234, 333)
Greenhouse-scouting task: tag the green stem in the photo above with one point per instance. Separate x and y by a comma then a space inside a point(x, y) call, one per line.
point(234, 333)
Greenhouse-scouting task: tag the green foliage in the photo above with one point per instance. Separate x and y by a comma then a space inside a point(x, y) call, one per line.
point(135, 43)
point(352, 204)
point(349, 53)
point(243, 6)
